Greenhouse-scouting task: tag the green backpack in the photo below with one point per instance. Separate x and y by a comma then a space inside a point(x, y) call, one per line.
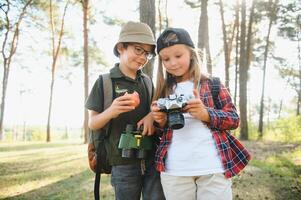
point(97, 153)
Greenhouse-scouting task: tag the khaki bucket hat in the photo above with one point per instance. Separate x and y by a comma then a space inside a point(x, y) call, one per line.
point(137, 32)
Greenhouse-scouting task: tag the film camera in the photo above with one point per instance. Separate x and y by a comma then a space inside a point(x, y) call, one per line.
point(133, 144)
point(173, 106)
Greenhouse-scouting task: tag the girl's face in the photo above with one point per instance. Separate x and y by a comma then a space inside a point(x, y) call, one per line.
point(176, 60)
point(134, 55)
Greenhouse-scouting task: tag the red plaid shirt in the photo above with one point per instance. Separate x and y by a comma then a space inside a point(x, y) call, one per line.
point(233, 155)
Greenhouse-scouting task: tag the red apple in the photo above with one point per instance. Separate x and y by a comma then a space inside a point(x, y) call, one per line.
point(135, 98)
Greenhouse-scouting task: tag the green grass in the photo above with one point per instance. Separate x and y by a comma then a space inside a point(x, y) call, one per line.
point(274, 173)
point(37, 170)
point(281, 165)
point(47, 171)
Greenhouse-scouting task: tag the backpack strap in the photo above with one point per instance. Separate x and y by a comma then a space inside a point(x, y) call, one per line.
point(97, 183)
point(107, 94)
point(107, 90)
point(215, 88)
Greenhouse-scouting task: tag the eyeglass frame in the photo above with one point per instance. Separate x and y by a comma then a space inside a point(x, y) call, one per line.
point(148, 55)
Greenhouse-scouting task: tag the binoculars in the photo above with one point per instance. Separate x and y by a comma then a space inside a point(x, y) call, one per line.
point(133, 144)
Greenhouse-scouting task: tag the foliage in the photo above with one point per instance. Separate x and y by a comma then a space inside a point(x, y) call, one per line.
point(112, 21)
point(37, 133)
point(281, 165)
point(286, 130)
point(1, 24)
point(95, 55)
point(290, 20)
point(291, 75)
point(282, 130)
point(253, 131)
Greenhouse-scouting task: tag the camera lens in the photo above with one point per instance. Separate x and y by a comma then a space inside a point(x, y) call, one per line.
point(175, 120)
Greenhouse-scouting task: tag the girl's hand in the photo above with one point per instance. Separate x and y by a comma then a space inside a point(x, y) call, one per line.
point(158, 116)
point(120, 105)
point(147, 122)
point(196, 108)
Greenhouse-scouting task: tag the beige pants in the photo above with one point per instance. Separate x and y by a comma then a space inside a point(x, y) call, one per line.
point(207, 187)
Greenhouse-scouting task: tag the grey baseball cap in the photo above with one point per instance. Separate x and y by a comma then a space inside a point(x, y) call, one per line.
point(136, 32)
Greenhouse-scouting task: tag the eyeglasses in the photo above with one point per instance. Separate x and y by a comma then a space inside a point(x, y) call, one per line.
point(139, 51)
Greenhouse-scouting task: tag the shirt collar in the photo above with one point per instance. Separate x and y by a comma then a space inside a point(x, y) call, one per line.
point(116, 73)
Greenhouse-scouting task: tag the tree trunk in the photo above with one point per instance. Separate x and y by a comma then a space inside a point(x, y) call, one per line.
point(245, 60)
point(272, 11)
point(203, 35)
point(24, 131)
point(166, 15)
point(243, 76)
point(249, 37)
point(4, 87)
point(299, 59)
point(148, 16)
point(12, 46)
point(226, 47)
point(260, 126)
point(280, 108)
point(85, 6)
point(55, 54)
point(236, 50)
point(160, 16)
point(48, 138)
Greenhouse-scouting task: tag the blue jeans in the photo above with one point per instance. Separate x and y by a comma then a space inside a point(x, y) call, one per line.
point(129, 182)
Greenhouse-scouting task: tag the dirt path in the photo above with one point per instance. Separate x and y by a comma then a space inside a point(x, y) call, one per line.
point(261, 180)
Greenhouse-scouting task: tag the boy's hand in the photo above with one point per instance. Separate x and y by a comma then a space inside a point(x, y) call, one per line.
point(148, 127)
point(120, 105)
point(196, 108)
point(158, 116)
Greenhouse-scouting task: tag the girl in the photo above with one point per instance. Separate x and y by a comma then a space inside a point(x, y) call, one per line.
point(198, 160)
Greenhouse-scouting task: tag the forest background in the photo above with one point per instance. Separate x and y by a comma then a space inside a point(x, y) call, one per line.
point(53, 51)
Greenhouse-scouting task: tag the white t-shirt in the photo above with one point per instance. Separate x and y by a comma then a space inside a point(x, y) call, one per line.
point(192, 151)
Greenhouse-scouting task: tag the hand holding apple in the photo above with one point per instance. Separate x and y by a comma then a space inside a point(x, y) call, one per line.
point(134, 97)
point(124, 103)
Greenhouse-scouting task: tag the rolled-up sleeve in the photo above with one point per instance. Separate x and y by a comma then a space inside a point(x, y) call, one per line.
point(227, 117)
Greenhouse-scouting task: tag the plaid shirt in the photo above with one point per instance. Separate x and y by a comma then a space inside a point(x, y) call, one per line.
point(233, 155)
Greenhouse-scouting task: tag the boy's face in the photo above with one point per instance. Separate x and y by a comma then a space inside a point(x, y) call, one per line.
point(176, 60)
point(134, 55)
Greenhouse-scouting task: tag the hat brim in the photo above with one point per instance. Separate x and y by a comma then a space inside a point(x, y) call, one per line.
point(143, 39)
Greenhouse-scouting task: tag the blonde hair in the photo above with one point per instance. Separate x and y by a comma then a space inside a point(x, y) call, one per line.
point(166, 81)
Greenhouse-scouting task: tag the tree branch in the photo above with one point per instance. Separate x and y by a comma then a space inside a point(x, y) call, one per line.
point(14, 44)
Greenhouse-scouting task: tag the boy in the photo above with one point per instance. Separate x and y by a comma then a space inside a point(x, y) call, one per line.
point(130, 176)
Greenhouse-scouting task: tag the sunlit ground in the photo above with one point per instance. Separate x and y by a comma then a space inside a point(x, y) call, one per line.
point(46, 171)
point(59, 171)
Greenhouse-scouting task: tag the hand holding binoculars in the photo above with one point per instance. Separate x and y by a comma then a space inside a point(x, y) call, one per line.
point(133, 144)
